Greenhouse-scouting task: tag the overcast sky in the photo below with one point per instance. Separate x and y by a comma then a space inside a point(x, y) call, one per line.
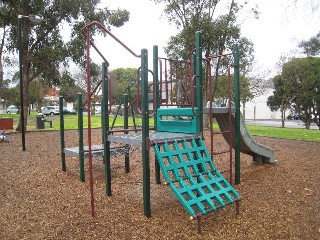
point(279, 29)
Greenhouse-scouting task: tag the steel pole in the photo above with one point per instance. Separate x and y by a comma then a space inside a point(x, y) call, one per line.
point(157, 95)
point(237, 113)
point(105, 126)
point(145, 133)
point(198, 90)
point(35, 19)
point(23, 130)
point(80, 137)
point(63, 155)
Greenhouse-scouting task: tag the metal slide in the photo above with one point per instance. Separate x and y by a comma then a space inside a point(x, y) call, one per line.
point(248, 145)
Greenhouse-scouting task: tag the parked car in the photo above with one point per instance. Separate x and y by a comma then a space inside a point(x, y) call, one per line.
point(69, 111)
point(12, 109)
point(97, 110)
point(50, 110)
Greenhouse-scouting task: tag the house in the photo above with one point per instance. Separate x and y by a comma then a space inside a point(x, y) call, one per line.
point(52, 96)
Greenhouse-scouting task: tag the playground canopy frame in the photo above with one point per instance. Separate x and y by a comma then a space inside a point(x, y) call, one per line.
point(147, 139)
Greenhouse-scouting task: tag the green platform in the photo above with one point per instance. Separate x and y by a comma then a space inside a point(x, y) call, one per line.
point(192, 176)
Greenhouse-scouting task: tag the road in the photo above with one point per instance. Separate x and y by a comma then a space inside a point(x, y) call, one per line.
point(267, 122)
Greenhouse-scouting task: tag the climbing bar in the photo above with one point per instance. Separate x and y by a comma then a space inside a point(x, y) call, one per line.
point(219, 56)
point(103, 28)
point(151, 87)
point(172, 140)
point(128, 130)
point(174, 82)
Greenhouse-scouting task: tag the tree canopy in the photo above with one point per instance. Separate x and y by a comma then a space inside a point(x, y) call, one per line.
point(281, 97)
point(220, 31)
point(47, 46)
point(298, 86)
point(311, 47)
point(121, 79)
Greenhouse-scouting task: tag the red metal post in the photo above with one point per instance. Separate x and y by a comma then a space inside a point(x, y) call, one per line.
point(230, 124)
point(89, 119)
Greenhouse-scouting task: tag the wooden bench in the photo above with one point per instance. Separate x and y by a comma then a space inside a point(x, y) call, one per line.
point(48, 121)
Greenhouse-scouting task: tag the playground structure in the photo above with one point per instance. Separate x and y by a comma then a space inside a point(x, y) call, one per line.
point(177, 109)
point(4, 137)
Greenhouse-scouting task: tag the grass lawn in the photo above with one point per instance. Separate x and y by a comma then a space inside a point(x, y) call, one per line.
point(289, 133)
point(71, 122)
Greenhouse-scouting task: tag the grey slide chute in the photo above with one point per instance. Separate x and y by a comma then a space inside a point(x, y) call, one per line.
point(248, 145)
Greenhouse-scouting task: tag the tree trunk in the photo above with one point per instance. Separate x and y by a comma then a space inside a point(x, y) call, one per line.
point(283, 115)
point(244, 110)
point(307, 123)
point(1, 72)
point(25, 101)
point(1, 53)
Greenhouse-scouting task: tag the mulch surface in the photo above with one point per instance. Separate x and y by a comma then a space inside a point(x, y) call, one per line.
point(40, 201)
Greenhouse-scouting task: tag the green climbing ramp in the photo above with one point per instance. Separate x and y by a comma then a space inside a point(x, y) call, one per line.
point(192, 176)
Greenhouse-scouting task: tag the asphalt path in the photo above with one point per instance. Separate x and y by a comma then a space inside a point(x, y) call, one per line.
point(277, 123)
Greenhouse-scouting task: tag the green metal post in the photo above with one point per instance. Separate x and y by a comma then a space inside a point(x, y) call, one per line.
point(237, 113)
point(126, 126)
point(105, 118)
point(102, 119)
point(157, 97)
point(80, 136)
point(198, 90)
point(63, 155)
point(145, 133)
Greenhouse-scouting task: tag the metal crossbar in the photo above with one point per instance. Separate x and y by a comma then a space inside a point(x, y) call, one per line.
point(196, 182)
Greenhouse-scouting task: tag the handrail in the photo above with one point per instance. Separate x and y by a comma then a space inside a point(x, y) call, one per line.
point(192, 96)
point(219, 56)
point(137, 99)
point(169, 68)
point(93, 92)
point(98, 51)
point(95, 89)
point(99, 25)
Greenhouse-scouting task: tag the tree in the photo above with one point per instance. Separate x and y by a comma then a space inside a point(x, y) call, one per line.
point(190, 16)
point(298, 87)
point(310, 5)
point(312, 46)
point(44, 47)
point(69, 89)
point(281, 97)
point(79, 76)
point(303, 74)
point(4, 25)
point(79, 79)
point(37, 90)
point(121, 79)
point(219, 32)
point(70, 92)
point(10, 95)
